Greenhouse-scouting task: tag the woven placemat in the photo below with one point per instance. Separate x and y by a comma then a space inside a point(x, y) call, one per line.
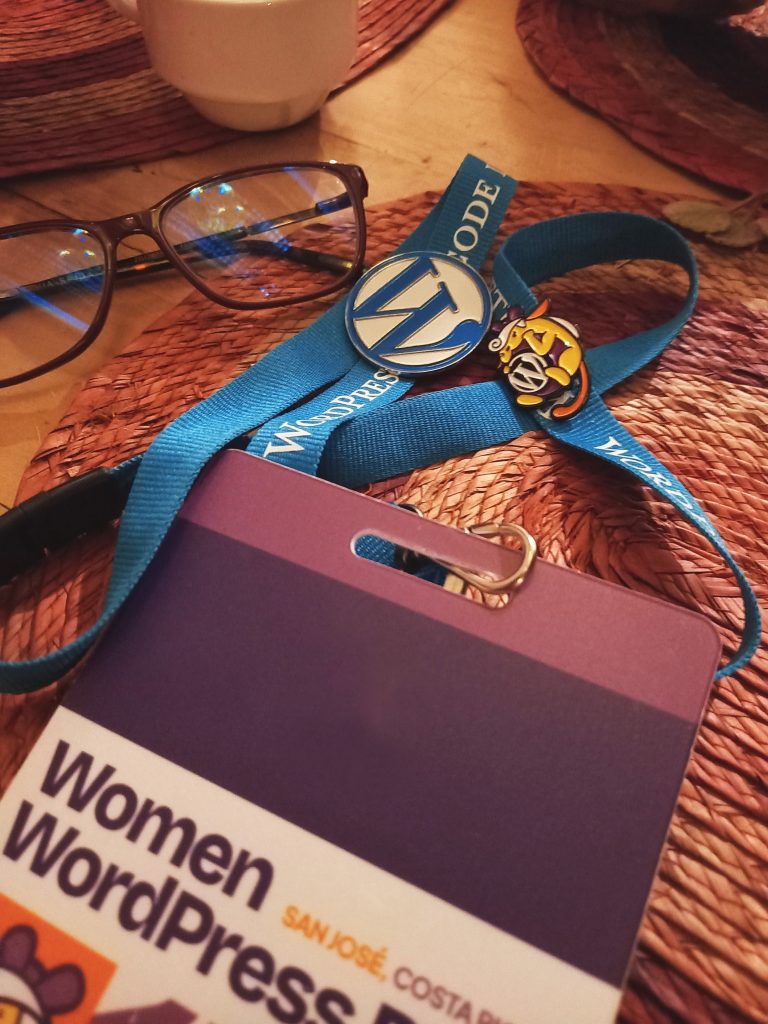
point(76, 88)
point(692, 91)
point(702, 407)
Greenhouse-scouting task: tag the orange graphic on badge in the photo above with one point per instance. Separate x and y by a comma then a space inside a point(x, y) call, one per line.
point(46, 975)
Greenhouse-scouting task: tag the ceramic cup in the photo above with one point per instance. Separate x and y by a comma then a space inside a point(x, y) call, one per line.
point(249, 64)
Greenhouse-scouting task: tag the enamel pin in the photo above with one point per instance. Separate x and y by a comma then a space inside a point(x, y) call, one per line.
point(418, 312)
point(543, 361)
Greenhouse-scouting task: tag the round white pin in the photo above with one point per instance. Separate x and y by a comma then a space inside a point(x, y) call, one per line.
point(418, 312)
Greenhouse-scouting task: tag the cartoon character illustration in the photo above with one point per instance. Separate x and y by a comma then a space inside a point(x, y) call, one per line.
point(542, 358)
point(30, 993)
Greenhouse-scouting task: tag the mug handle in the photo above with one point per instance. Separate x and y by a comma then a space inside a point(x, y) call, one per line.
point(128, 8)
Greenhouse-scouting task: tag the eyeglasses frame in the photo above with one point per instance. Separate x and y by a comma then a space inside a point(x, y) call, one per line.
point(112, 230)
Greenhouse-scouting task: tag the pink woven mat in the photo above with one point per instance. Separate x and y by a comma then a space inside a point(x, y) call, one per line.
point(76, 88)
point(692, 91)
point(702, 408)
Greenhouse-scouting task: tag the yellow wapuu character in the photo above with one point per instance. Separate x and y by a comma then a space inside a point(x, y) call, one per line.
point(543, 360)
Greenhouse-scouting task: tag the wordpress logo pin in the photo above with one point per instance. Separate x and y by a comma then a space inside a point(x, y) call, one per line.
point(418, 312)
point(527, 373)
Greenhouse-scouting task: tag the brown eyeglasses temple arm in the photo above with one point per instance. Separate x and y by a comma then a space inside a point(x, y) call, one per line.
point(147, 263)
point(151, 262)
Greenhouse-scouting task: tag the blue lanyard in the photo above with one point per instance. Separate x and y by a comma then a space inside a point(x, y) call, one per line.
point(473, 210)
point(387, 437)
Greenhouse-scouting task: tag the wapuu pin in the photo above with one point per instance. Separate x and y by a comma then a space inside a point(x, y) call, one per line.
point(418, 312)
point(543, 361)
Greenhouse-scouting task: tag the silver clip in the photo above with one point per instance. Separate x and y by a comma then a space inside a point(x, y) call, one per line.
point(458, 577)
point(495, 584)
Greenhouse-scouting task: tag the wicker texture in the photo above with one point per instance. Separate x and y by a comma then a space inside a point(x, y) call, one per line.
point(76, 88)
point(701, 407)
point(693, 92)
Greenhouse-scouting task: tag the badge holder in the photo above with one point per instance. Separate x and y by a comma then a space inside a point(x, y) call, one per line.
point(392, 764)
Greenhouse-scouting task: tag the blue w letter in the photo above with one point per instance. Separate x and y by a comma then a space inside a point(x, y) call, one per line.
point(417, 317)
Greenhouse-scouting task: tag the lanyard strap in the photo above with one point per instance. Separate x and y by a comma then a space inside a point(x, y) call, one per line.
point(599, 433)
point(313, 359)
point(433, 427)
point(471, 215)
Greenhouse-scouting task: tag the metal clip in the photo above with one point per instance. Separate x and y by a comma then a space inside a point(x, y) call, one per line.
point(458, 578)
point(493, 584)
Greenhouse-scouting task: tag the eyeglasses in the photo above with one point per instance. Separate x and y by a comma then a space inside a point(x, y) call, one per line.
point(252, 239)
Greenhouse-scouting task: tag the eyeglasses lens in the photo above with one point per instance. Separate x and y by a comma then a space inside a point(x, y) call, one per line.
point(273, 236)
point(51, 286)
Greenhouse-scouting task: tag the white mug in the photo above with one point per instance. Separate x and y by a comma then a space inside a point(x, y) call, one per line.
point(249, 64)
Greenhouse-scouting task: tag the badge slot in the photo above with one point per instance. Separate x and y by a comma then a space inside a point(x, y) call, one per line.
point(489, 581)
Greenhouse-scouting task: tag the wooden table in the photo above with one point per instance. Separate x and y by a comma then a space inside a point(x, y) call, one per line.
point(464, 85)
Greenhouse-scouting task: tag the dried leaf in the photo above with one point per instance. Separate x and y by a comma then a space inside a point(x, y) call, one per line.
point(743, 232)
point(698, 215)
